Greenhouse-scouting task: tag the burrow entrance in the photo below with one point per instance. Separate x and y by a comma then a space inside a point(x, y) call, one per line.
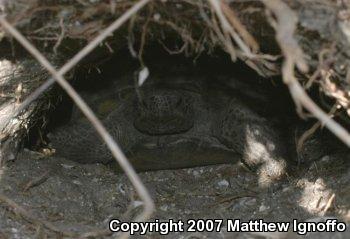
point(107, 81)
point(75, 190)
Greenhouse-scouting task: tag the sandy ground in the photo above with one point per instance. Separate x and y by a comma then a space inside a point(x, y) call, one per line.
point(80, 198)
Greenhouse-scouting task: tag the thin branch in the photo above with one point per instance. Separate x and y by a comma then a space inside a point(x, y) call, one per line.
point(216, 4)
point(328, 205)
point(294, 57)
point(112, 145)
point(28, 216)
point(236, 23)
point(86, 50)
point(31, 218)
point(61, 36)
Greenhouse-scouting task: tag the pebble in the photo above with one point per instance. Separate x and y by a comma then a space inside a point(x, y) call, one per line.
point(223, 183)
point(67, 166)
point(263, 208)
point(77, 182)
point(250, 202)
point(164, 208)
point(319, 184)
point(195, 173)
point(121, 188)
point(286, 189)
point(325, 159)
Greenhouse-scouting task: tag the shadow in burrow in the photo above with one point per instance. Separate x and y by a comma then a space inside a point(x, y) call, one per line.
point(322, 164)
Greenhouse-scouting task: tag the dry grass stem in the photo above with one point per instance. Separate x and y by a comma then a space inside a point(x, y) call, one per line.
point(85, 51)
point(226, 26)
point(308, 133)
point(28, 216)
point(236, 24)
point(37, 181)
point(294, 57)
point(328, 205)
point(58, 76)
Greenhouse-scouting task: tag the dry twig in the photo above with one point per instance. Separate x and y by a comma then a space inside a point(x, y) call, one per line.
point(223, 38)
point(236, 24)
point(85, 51)
point(308, 133)
point(228, 28)
point(248, 46)
point(36, 181)
point(28, 216)
point(328, 205)
point(58, 76)
point(61, 36)
point(294, 57)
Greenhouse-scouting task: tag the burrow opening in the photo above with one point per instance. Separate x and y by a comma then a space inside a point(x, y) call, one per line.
point(96, 79)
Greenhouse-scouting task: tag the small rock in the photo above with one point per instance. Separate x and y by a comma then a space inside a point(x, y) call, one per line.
point(195, 173)
point(67, 166)
point(286, 189)
point(319, 184)
point(164, 208)
point(77, 182)
point(223, 183)
point(250, 202)
point(325, 159)
point(263, 208)
point(121, 188)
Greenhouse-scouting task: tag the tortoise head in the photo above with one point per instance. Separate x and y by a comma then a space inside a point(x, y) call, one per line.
point(164, 112)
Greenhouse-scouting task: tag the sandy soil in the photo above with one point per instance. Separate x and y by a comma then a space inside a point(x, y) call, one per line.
point(80, 198)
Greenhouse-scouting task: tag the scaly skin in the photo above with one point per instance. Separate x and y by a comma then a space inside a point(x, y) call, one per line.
point(174, 126)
